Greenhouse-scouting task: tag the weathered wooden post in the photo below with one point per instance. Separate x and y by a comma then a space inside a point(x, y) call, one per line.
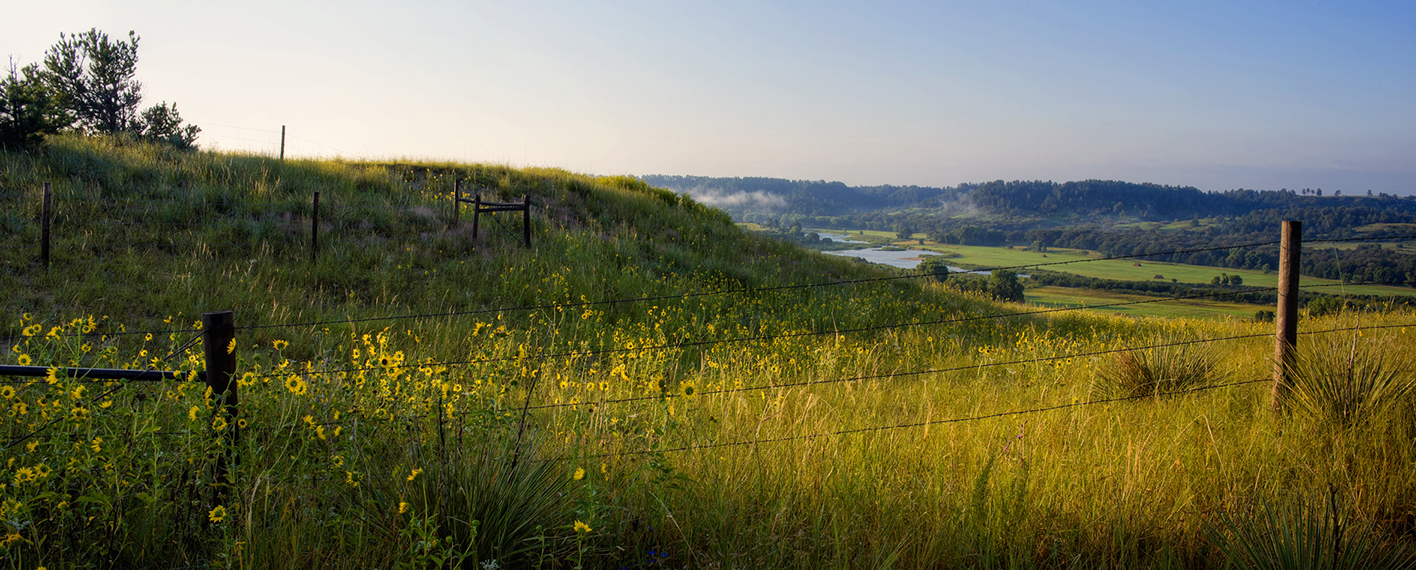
point(526, 219)
point(1286, 319)
point(219, 344)
point(315, 229)
point(44, 226)
point(282, 143)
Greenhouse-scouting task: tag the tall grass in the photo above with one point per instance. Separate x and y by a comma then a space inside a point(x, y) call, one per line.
point(645, 443)
point(1352, 379)
point(1166, 365)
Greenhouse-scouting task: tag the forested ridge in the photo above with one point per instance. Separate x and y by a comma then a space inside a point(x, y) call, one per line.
point(1096, 215)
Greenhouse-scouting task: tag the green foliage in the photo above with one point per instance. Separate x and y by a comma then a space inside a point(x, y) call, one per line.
point(1172, 366)
point(27, 110)
point(95, 78)
point(1302, 536)
point(936, 266)
point(1350, 381)
point(161, 123)
point(1004, 286)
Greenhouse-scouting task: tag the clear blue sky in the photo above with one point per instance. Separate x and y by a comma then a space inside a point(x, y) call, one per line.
point(1217, 95)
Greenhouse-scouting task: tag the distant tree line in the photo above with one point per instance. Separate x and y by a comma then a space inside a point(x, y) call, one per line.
point(1016, 205)
point(87, 83)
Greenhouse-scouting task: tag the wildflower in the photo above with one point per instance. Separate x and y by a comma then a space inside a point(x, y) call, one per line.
point(280, 344)
point(402, 507)
point(217, 514)
point(33, 330)
point(7, 392)
point(231, 346)
point(579, 474)
point(218, 424)
point(414, 474)
point(97, 444)
point(192, 413)
point(582, 527)
point(25, 360)
point(349, 478)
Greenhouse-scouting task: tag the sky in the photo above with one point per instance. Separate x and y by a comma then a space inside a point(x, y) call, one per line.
point(1212, 94)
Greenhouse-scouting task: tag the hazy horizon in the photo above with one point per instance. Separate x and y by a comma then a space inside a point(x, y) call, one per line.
point(1215, 95)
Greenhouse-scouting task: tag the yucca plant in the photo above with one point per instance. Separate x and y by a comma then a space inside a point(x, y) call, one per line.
point(1345, 382)
point(1302, 535)
point(1167, 368)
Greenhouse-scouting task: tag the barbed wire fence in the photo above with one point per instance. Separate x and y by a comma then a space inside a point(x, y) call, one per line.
point(691, 343)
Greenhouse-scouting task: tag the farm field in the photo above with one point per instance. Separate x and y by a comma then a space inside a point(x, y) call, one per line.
point(645, 386)
point(1179, 309)
point(1126, 269)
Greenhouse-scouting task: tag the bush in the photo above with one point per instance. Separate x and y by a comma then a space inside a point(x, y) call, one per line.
point(1300, 537)
point(933, 265)
point(1160, 370)
point(1348, 382)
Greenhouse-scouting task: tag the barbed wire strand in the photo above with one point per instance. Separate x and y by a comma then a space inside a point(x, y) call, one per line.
point(905, 425)
point(105, 394)
point(583, 353)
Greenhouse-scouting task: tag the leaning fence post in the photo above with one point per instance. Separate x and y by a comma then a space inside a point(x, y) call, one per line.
point(315, 229)
point(526, 219)
point(1286, 319)
point(44, 226)
point(219, 344)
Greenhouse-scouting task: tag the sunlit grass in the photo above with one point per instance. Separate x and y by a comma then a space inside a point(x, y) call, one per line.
point(739, 430)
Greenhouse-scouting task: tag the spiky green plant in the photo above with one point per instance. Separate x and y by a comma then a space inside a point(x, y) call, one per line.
point(1169, 367)
point(1301, 535)
point(1347, 381)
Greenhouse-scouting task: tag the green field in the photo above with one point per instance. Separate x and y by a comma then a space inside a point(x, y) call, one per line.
point(1125, 269)
point(1182, 308)
point(1135, 270)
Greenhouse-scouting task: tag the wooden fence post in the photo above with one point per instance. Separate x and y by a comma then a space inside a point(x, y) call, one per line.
point(219, 344)
point(315, 229)
point(476, 214)
point(44, 226)
point(1286, 319)
point(526, 219)
point(282, 143)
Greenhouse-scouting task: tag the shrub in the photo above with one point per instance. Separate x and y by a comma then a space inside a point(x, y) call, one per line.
point(1298, 536)
point(1160, 370)
point(1347, 382)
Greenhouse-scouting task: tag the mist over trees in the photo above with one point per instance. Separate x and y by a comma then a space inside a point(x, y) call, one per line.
point(87, 83)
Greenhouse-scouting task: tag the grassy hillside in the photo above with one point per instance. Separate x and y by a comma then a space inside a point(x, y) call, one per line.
point(537, 416)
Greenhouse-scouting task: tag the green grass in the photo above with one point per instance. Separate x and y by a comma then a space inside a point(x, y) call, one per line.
point(1177, 309)
point(1127, 270)
point(804, 443)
